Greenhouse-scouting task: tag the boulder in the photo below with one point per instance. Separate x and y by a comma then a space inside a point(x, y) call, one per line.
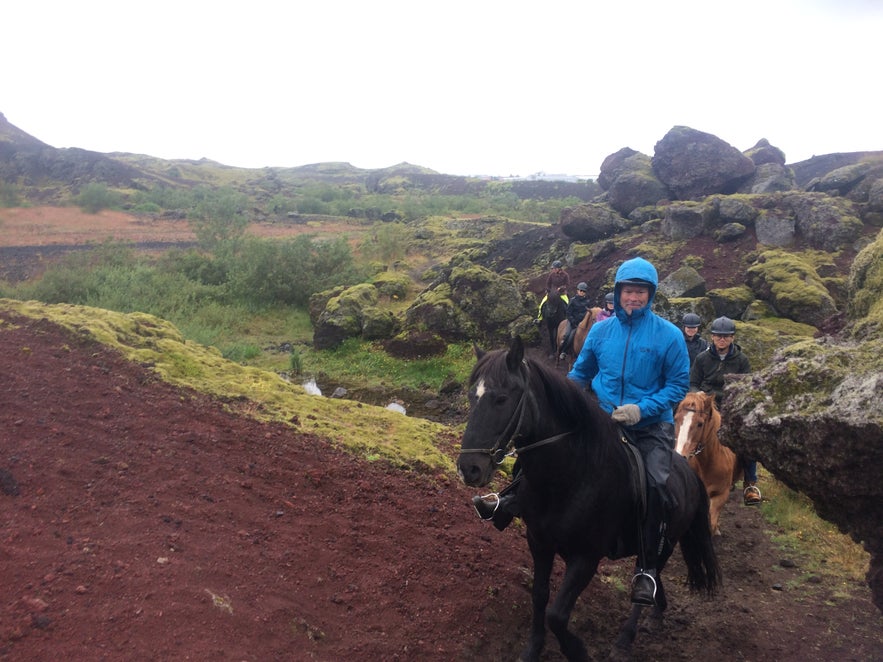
point(693, 164)
point(842, 180)
point(685, 220)
point(763, 153)
point(826, 223)
point(792, 285)
point(731, 301)
point(814, 416)
point(612, 166)
point(774, 230)
point(736, 209)
point(591, 222)
point(769, 177)
point(730, 232)
point(630, 181)
point(683, 282)
point(469, 302)
point(344, 316)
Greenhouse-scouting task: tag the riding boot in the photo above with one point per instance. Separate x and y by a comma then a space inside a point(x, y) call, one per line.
point(653, 532)
point(500, 508)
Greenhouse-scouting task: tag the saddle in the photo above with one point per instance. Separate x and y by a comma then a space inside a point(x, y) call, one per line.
point(639, 486)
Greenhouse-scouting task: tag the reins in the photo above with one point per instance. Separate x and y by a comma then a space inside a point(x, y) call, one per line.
point(504, 446)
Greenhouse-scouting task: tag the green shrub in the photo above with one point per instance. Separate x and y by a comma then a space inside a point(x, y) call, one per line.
point(95, 197)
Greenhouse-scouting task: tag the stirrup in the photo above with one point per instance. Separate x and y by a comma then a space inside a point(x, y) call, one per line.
point(751, 495)
point(481, 505)
point(650, 600)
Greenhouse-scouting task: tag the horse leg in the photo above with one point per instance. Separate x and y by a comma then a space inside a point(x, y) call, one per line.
point(578, 574)
point(553, 337)
point(542, 574)
point(622, 647)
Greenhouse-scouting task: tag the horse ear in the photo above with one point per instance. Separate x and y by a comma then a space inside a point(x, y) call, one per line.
point(515, 355)
point(709, 403)
point(479, 352)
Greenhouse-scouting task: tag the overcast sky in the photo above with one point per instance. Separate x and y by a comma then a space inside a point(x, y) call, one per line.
point(490, 87)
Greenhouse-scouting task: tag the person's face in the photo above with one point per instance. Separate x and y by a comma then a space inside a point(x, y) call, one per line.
point(722, 343)
point(580, 293)
point(608, 305)
point(690, 331)
point(633, 297)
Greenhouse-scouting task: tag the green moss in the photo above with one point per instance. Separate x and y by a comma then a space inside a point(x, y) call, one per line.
point(401, 440)
point(866, 290)
point(791, 277)
point(393, 284)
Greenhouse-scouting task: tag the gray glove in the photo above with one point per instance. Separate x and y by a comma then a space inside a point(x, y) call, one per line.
point(627, 414)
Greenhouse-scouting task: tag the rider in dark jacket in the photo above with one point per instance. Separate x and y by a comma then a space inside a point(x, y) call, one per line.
point(708, 373)
point(696, 344)
point(576, 311)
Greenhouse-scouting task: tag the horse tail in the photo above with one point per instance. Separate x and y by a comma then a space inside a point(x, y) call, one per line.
point(703, 569)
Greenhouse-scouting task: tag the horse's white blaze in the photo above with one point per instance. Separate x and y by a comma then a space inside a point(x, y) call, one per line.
point(684, 433)
point(479, 389)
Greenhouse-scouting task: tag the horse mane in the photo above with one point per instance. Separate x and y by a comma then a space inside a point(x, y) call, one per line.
point(576, 406)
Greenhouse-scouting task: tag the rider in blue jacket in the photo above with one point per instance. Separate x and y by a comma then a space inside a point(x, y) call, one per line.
point(638, 367)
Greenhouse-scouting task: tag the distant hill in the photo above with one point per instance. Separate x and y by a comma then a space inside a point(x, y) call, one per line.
point(49, 175)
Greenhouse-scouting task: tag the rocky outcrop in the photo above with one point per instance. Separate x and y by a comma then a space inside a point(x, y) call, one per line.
point(693, 164)
point(763, 153)
point(469, 302)
point(630, 182)
point(350, 314)
point(814, 416)
point(792, 285)
point(591, 222)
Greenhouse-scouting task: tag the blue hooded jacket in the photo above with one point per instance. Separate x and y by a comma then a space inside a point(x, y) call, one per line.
point(635, 359)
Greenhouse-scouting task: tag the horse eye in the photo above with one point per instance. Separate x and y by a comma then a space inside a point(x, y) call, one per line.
point(500, 399)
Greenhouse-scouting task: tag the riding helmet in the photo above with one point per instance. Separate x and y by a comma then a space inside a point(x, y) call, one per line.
point(723, 326)
point(557, 264)
point(608, 297)
point(582, 285)
point(691, 320)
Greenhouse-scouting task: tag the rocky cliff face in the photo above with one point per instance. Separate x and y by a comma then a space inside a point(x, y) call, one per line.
point(814, 417)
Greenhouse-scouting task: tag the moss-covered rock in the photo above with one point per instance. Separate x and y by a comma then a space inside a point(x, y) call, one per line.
point(792, 285)
point(393, 284)
point(865, 308)
point(731, 301)
point(826, 223)
point(813, 414)
point(591, 222)
point(685, 220)
point(344, 316)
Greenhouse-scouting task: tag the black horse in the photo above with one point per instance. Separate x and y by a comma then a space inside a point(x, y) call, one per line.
point(553, 311)
point(578, 493)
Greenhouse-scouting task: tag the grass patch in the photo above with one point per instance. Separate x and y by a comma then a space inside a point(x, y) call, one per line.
point(359, 361)
point(820, 546)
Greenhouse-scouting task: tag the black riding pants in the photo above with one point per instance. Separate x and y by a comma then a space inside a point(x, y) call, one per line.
point(656, 444)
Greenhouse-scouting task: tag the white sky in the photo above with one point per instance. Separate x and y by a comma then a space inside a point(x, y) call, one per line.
point(494, 87)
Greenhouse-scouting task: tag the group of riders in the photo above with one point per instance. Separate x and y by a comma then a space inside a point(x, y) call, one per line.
point(639, 367)
point(558, 281)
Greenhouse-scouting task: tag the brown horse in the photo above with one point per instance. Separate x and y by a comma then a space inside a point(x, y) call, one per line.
point(579, 338)
point(697, 421)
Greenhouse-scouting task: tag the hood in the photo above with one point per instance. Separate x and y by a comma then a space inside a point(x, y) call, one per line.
point(638, 268)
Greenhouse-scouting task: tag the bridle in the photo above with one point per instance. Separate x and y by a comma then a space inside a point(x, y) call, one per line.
point(504, 446)
point(699, 445)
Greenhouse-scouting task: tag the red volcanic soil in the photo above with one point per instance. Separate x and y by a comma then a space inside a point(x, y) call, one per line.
point(139, 521)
